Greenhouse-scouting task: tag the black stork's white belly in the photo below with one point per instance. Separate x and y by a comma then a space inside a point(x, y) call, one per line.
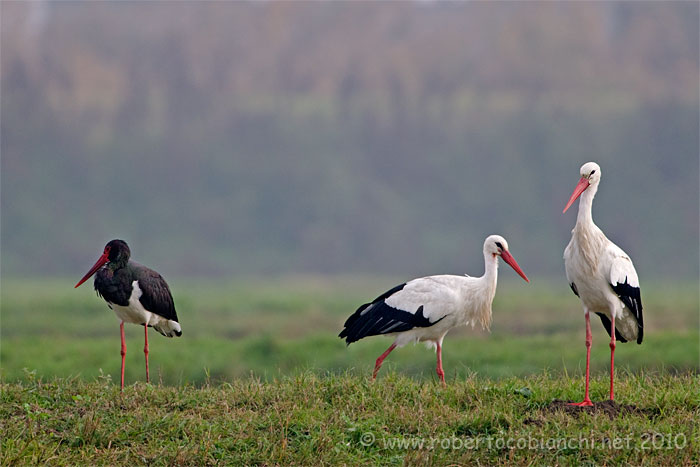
point(139, 295)
point(134, 312)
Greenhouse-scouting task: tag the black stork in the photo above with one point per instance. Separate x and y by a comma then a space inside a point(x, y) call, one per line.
point(136, 293)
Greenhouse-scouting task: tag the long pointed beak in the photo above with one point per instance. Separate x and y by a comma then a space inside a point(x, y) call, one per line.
point(508, 258)
point(580, 188)
point(100, 262)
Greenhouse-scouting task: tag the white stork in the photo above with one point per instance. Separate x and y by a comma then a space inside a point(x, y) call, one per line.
point(425, 309)
point(602, 276)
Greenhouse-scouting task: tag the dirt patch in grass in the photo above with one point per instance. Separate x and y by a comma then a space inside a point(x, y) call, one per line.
point(610, 408)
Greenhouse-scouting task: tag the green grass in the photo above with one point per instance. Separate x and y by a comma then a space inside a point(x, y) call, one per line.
point(285, 326)
point(259, 377)
point(335, 419)
point(181, 361)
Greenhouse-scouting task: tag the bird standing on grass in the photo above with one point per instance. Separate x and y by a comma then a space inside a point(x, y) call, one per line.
point(602, 276)
point(425, 309)
point(136, 293)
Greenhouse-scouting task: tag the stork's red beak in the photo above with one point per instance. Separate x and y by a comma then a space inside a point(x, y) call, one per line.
point(100, 262)
point(580, 188)
point(508, 258)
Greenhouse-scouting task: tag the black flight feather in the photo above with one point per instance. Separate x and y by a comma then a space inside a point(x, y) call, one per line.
point(377, 318)
point(573, 287)
point(606, 324)
point(355, 316)
point(631, 297)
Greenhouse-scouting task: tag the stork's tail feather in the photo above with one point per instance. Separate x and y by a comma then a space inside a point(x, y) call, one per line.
point(168, 328)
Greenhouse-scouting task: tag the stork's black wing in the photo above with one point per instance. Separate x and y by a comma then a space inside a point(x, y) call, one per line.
point(378, 317)
point(574, 289)
point(155, 293)
point(631, 297)
point(625, 283)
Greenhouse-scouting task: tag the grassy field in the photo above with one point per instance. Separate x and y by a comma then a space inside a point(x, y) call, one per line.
point(259, 377)
point(341, 419)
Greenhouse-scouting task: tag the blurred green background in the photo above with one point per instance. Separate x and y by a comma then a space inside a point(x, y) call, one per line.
point(280, 327)
point(257, 138)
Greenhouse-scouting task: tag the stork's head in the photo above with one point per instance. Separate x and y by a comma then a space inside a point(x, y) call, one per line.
point(115, 255)
point(591, 172)
point(590, 177)
point(498, 246)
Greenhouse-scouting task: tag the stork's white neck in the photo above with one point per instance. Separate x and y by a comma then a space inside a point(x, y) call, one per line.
point(585, 207)
point(587, 238)
point(481, 297)
point(490, 269)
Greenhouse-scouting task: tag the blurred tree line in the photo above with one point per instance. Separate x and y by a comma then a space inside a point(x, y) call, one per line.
point(334, 137)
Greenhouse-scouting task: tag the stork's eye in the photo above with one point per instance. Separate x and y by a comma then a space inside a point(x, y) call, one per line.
point(592, 172)
point(498, 244)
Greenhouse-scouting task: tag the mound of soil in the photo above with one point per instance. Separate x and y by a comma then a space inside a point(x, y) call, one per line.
point(611, 408)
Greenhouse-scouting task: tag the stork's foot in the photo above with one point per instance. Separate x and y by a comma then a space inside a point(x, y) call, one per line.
point(377, 366)
point(583, 403)
point(441, 375)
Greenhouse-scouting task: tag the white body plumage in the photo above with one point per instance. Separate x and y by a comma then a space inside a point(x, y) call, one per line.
point(425, 309)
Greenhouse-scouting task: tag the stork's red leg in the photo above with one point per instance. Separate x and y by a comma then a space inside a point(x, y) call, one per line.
point(612, 354)
point(589, 341)
point(439, 370)
point(123, 352)
point(145, 350)
point(381, 358)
